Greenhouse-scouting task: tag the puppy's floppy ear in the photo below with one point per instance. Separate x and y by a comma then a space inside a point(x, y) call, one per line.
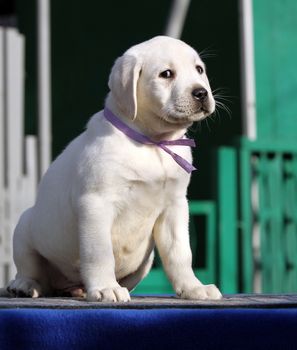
point(123, 83)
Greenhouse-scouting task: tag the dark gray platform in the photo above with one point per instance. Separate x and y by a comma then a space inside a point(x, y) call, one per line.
point(158, 302)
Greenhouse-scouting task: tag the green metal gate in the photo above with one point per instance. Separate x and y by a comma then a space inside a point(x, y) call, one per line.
point(264, 238)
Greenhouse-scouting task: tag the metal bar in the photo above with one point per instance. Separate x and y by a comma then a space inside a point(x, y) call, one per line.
point(211, 244)
point(2, 160)
point(246, 220)
point(248, 69)
point(228, 220)
point(263, 215)
point(44, 85)
point(15, 48)
point(275, 218)
point(290, 223)
point(177, 18)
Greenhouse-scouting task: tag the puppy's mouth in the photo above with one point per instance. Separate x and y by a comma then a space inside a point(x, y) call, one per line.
point(204, 110)
point(183, 116)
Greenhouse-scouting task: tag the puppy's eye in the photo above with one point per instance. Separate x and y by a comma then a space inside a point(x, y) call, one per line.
point(200, 69)
point(167, 74)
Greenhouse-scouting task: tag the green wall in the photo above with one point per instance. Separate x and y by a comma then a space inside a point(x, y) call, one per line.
point(275, 35)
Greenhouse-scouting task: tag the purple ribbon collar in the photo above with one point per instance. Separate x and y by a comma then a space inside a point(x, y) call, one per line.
point(138, 137)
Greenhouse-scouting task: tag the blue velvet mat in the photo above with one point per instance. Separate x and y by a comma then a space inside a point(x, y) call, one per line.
point(152, 329)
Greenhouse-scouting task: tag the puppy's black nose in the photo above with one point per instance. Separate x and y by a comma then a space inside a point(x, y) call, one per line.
point(200, 94)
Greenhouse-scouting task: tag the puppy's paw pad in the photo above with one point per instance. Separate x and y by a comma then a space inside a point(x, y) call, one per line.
point(24, 288)
point(203, 292)
point(116, 294)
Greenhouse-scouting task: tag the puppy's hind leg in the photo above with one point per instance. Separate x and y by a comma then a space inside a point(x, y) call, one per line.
point(28, 262)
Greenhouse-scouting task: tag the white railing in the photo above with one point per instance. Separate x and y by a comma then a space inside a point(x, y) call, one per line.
point(18, 153)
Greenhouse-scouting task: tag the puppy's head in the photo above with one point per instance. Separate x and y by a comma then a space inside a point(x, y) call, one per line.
point(162, 78)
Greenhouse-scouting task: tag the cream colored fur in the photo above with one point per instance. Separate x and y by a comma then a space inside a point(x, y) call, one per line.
point(106, 201)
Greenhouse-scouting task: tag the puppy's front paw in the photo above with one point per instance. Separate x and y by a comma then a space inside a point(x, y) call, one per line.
point(115, 294)
point(24, 287)
point(203, 292)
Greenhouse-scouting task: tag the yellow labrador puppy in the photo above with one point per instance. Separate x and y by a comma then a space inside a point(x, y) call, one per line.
point(120, 187)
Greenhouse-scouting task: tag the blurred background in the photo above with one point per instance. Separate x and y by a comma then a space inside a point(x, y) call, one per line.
point(55, 58)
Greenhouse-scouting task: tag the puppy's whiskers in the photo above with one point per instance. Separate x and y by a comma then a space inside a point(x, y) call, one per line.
point(207, 53)
point(225, 108)
point(220, 100)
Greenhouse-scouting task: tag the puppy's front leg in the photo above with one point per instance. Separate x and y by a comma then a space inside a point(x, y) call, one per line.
point(97, 262)
point(172, 240)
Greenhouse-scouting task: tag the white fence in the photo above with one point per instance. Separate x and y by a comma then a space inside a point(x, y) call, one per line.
point(18, 153)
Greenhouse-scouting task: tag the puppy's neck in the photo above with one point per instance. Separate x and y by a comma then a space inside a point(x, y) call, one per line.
point(158, 129)
point(148, 123)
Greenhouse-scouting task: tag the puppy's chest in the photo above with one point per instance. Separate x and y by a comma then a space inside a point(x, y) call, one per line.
point(153, 166)
point(149, 176)
point(153, 185)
